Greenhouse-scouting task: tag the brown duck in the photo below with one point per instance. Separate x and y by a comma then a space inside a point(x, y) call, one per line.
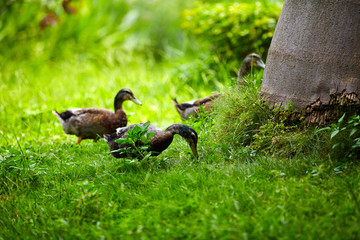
point(93, 123)
point(251, 60)
point(192, 108)
point(158, 143)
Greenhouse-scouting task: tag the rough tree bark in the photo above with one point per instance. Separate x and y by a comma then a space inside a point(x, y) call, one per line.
point(314, 58)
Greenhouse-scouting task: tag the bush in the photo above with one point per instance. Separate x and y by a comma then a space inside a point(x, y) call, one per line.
point(344, 138)
point(150, 28)
point(234, 29)
point(206, 71)
point(90, 30)
point(243, 126)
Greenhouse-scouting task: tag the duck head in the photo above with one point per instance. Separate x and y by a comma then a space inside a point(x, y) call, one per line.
point(123, 95)
point(255, 60)
point(251, 60)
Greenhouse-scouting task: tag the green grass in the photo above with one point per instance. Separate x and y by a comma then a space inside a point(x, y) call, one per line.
point(60, 190)
point(256, 177)
point(52, 188)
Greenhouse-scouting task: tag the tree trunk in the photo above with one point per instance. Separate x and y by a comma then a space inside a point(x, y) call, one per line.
point(314, 58)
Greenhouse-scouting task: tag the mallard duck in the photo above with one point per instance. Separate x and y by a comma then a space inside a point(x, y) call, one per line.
point(158, 143)
point(93, 123)
point(192, 108)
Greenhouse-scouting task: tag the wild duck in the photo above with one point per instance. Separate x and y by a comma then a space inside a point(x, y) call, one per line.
point(192, 108)
point(158, 143)
point(93, 123)
point(251, 60)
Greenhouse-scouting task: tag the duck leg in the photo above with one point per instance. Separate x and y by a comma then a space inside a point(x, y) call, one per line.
point(79, 140)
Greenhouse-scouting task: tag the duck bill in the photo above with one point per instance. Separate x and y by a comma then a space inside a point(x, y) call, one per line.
point(194, 150)
point(136, 101)
point(106, 137)
point(261, 64)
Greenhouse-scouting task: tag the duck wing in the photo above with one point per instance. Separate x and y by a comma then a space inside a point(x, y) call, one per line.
point(121, 133)
point(90, 111)
point(204, 100)
point(87, 122)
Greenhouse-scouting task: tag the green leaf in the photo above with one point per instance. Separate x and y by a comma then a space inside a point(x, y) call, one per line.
point(130, 162)
point(146, 125)
point(342, 118)
point(146, 158)
point(334, 133)
point(335, 145)
point(322, 129)
point(121, 150)
point(136, 129)
point(143, 139)
point(353, 132)
point(144, 147)
point(150, 135)
point(122, 140)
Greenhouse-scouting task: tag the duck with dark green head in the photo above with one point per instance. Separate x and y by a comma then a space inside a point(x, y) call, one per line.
point(93, 123)
point(158, 143)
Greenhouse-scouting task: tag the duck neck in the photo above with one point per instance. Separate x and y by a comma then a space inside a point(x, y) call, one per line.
point(187, 133)
point(118, 105)
point(244, 70)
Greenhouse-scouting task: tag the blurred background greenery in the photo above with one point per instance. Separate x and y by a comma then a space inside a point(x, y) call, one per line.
point(63, 54)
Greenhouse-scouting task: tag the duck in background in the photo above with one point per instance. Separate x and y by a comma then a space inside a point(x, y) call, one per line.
point(158, 143)
point(251, 60)
point(93, 123)
point(192, 108)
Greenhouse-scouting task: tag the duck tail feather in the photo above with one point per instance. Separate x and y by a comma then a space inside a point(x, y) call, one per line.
point(174, 101)
point(64, 115)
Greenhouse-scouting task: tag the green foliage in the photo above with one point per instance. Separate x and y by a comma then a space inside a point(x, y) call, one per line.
point(98, 28)
point(220, 25)
point(244, 125)
point(87, 30)
point(269, 133)
point(207, 71)
point(52, 188)
point(239, 113)
point(240, 187)
point(136, 143)
point(234, 29)
point(345, 137)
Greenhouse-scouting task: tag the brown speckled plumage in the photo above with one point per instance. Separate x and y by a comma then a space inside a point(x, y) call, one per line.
point(192, 108)
point(93, 123)
point(158, 143)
